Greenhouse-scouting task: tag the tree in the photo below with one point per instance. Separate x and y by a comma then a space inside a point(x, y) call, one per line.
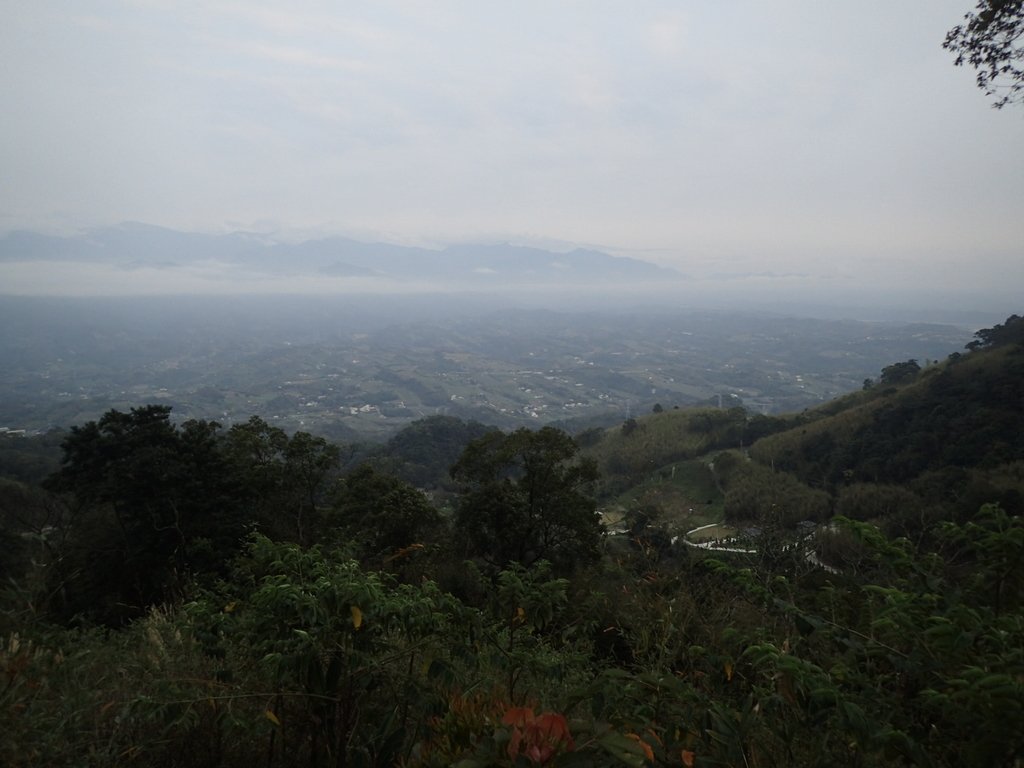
point(154, 504)
point(1010, 332)
point(33, 526)
point(525, 499)
point(257, 451)
point(877, 501)
point(993, 543)
point(755, 493)
point(990, 41)
point(309, 461)
point(900, 373)
point(423, 452)
point(382, 515)
point(282, 478)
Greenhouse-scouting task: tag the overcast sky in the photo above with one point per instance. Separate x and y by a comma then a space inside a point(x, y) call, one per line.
point(831, 139)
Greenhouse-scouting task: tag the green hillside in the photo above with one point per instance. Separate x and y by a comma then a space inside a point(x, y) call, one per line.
point(184, 594)
point(647, 443)
point(951, 434)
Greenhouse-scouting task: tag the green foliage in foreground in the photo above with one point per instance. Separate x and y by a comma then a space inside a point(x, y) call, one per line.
point(302, 657)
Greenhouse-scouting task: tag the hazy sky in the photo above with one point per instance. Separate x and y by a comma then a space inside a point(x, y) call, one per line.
point(815, 138)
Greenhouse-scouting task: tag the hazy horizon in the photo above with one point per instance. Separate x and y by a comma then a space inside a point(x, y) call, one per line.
point(827, 154)
point(143, 261)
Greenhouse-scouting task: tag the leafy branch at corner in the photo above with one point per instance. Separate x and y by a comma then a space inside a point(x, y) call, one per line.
point(990, 41)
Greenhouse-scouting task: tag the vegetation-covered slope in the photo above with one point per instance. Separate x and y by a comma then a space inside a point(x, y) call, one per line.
point(951, 434)
point(187, 595)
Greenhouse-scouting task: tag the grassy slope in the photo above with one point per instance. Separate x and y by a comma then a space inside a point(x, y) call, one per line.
point(958, 414)
point(662, 463)
point(966, 413)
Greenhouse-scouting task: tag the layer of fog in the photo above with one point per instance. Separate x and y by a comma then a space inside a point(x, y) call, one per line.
point(213, 283)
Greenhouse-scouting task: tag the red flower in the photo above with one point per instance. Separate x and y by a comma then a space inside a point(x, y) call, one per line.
point(537, 737)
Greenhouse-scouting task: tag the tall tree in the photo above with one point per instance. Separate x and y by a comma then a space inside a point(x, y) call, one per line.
point(525, 498)
point(381, 515)
point(282, 479)
point(308, 462)
point(155, 505)
point(1010, 332)
point(900, 373)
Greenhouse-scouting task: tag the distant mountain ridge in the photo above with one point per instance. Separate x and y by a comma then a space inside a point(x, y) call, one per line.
point(133, 245)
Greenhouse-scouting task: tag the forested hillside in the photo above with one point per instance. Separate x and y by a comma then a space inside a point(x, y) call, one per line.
point(935, 442)
point(182, 594)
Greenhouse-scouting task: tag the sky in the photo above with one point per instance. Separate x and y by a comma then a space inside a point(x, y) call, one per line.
point(794, 139)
